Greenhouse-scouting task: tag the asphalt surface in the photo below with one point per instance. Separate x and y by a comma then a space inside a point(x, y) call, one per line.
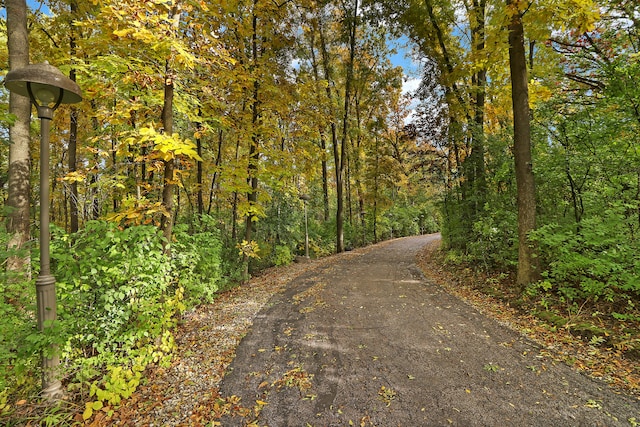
point(367, 340)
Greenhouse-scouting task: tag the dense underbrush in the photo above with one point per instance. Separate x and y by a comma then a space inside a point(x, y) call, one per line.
point(118, 299)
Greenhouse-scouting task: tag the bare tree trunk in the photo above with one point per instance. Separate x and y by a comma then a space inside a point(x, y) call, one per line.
point(234, 209)
point(455, 91)
point(357, 167)
point(325, 179)
point(200, 195)
point(73, 141)
point(93, 183)
point(19, 156)
point(525, 183)
point(334, 140)
point(114, 161)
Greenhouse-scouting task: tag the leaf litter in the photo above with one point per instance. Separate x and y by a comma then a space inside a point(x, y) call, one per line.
point(606, 363)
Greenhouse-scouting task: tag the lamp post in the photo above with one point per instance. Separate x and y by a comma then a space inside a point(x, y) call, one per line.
point(363, 214)
point(305, 198)
point(47, 88)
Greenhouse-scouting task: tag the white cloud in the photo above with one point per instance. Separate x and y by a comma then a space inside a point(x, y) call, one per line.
point(410, 85)
point(409, 119)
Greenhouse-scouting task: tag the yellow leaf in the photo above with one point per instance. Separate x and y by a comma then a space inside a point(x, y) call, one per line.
point(122, 33)
point(74, 177)
point(88, 412)
point(146, 131)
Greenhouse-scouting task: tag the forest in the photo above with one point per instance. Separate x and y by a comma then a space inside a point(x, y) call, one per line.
point(211, 132)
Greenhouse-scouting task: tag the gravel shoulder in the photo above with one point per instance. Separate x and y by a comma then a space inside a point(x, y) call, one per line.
point(363, 338)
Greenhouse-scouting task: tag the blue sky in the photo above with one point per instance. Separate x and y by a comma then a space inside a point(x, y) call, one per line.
point(404, 59)
point(32, 4)
point(403, 56)
point(411, 68)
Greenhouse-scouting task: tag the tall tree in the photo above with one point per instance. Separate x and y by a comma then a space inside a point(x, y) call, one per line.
point(339, 153)
point(526, 198)
point(169, 164)
point(475, 165)
point(19, 156)
point(254, 140)
point(328, 72)
point(73, 133)
point(312, 34)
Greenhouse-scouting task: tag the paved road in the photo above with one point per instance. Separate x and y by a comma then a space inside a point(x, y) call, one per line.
point(366, 340)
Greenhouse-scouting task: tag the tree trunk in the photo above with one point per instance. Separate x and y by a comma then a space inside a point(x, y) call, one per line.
point(455, 91)
point(334, 142)
point(73, 137)
point(114, 160)
point(215, 173)
point(166, 222)
point(234, 207)
point(526, 198)
point(375, 192)
point(325, 179)
point(93, 183)
point(341, 157)
point(476, 174)
point(357, 167)
point(73, 142)
point(254, 149)
point(323, 142)
point(19, 156)
point(200, 195)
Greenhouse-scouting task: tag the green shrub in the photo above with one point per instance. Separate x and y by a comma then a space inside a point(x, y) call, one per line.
point(597, 258)
point(117, 297)
point(17, 321)
point(282, 255)
point(118, 294)
point(495, 240)
point(197, 257)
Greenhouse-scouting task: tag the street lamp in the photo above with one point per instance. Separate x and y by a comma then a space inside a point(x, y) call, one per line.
point(47, 88)
point(305, 198)
point(363, 214)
